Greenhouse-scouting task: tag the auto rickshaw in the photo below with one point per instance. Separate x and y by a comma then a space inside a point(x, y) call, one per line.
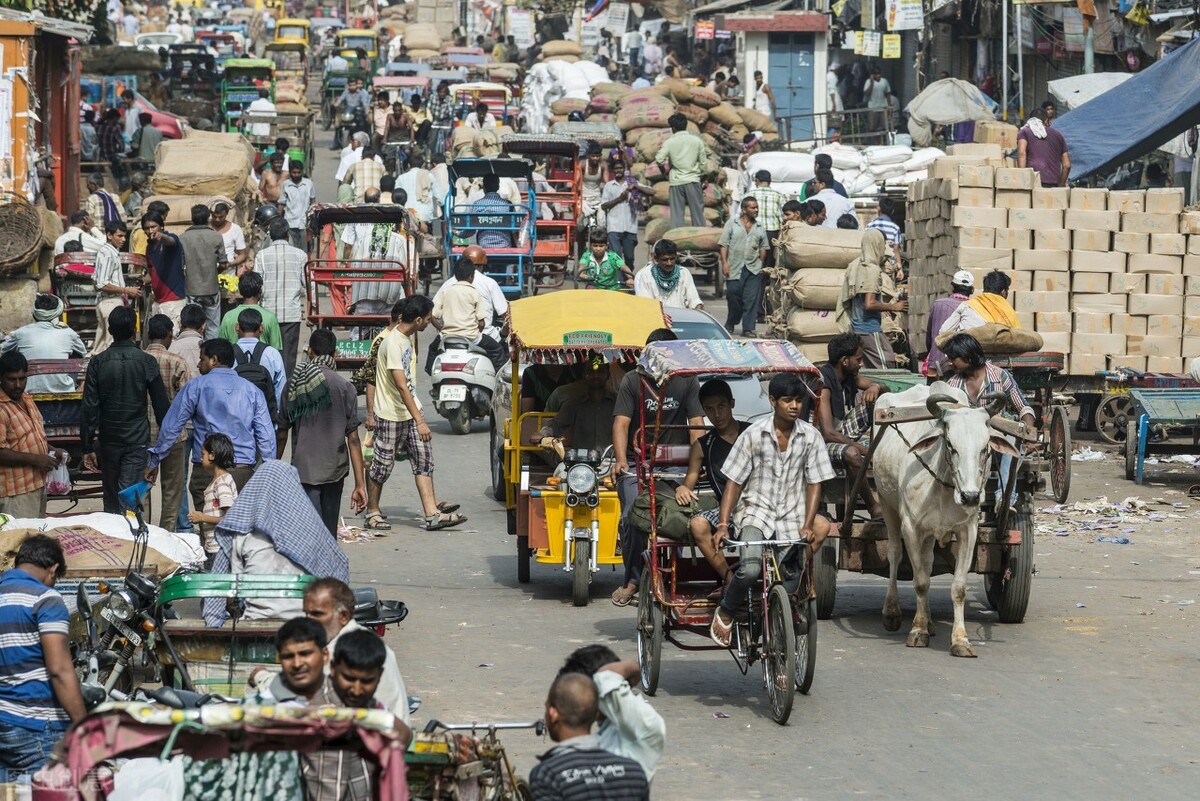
point(292, 31)
point(564, 515)
point(226, 44)
point(359, 39)
point(243, 79)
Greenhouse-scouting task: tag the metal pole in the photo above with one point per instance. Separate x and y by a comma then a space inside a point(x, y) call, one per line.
point(1004, 62)
point(1020, 65)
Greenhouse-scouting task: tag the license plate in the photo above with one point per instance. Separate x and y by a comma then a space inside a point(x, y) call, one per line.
point(452, 393)
point(120, 626)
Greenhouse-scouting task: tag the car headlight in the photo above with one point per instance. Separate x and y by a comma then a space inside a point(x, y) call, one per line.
point(122, 606)
point(581, 479)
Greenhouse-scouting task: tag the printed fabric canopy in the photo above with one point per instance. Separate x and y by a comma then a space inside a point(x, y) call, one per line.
point(566, 327)
point(662, 360)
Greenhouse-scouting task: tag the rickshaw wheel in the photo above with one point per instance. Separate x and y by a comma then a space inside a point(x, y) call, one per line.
point(1112, 417)
point(1060, 454)
point(581, 578)
point(649, 636)
point(523, 557)
point(779, 654)
point(523, 793)
point(1131, 447)
point(1008, 591)
point(806, 644)
point(825, 578)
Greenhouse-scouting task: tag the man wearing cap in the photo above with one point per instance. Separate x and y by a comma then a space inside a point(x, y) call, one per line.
point(584, 422)
point(961, 287)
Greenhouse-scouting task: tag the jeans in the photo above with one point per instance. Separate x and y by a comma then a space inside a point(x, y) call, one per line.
point(212, 311)
point(743, 294)
point(624, 245)
point(25, 751)
point(121, 466)
point(633, 542)
point(688, 196)
point(748, 572)
point(327, 498)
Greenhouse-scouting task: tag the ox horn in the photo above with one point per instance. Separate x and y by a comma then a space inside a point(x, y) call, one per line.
point(996, 403)
point(934, 403)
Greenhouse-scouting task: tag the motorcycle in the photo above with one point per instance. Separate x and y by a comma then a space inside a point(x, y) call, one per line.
point(464, 380)
point(349, 122)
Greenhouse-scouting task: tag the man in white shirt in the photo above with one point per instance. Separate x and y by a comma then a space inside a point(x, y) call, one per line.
point(336, 63)
point(351, 154)
point(652, 58)
point(835, 204)
point(631, 43)
point(298, 194)
point(83, 230)
point(417, 184)
point(666, 281)
point(262, 107)
point(495, 305)
point(233, 237)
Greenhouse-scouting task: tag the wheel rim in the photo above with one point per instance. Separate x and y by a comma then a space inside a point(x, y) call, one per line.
point(649, 637)
point(806, 643)
point(495, 460)
point(1112, 417)
point(1060, 456)
point(779, 654)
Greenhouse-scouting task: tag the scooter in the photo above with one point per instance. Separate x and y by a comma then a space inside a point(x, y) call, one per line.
point(464, 380)
point(349, 123)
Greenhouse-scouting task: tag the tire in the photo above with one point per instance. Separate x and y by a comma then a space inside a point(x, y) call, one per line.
point(649, 637)
point(825, 578)
point(1131, 446)
point(1112, 417)
point(1008, 592)
point(523, 557)
point(806, 645)
point(581, 572)
point(496, 452)
point(523, 793)
point(1060, 454)
point(779, 654)
point(460, 419)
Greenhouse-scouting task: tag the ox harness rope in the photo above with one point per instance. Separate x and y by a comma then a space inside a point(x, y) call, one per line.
point(922, 462)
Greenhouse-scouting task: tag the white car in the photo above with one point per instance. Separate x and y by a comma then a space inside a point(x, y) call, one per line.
point(153, 42)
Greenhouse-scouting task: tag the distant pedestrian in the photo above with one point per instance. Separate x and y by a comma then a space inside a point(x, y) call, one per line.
point(250, 287)
point(743, 247)
point(47, 337)
point(282, 269)
point(164, 251)
point(186, 345)
point(1044, 148)
point(203, 260)
point(109, 278)
point(684, 157)
point(298, 196)
point(175, 374)
point(28, 456)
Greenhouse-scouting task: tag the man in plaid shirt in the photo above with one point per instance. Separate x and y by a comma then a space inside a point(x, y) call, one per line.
point(282, 269)
point(175, 373)
point(27, 456)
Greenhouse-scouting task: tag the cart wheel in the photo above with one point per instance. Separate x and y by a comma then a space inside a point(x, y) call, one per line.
point(523, 791)
point(649, 636)
point(1060, 454)
point(460, 421)
point(825, 578)
point(523, 557)
point(779, 654)
point(1131, 447)
point(1008, 591)
point(806, 644)
point(496, 452)
point(1112, 417)
point(581, 568)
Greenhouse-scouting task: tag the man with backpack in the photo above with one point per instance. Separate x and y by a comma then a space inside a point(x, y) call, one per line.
point(261, 365)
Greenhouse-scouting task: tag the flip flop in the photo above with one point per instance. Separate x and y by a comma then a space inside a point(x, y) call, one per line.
point(623, 596)
point(720, 631)
point(443, 520)
point(377, 522)
point(447, 508)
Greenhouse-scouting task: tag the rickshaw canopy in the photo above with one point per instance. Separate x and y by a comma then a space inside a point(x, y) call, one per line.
point(662, 360)
point(454, 76)
point(540, 144)
point(517, 169)
point(480, 89)
point(400, 81)
point(356, 37)
point(398, 68)
point(568, 326)
point(366, 213)
point(292, 30)
point(250, 64)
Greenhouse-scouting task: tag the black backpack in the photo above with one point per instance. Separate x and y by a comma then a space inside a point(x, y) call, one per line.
point(250, 368)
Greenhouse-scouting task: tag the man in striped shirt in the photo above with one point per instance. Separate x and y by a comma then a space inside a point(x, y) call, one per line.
point(39, 691)
point(888, 227)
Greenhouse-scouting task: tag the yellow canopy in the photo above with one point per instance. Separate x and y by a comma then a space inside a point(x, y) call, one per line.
point(565, 326)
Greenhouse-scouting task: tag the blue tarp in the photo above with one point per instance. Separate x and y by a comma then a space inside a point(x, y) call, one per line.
point(1137, 117)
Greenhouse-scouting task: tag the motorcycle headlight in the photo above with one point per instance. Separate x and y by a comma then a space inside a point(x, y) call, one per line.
point(581, 479)
point(122, 605)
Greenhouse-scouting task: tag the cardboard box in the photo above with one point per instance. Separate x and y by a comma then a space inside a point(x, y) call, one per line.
point(1132, 201)
point(976, 196)
point(1014, 238)
point(1125, 283)
point(1191, 285)
point(1051, 281)
point(1191, 347)
point(1191, 265)
point(1164, 201)
point(1017, 178)
point(976, 237)
point(1155, 304)
point(976, 175)
point(966, 216)
point(1055, 197)
point(1052, 322)
point(1013, 199)
point(990, 258)
point(1150, 223)
point(1086, 220)
point(1154, 263)
point(1101, 344)
point(1131, 243)
point(1168, 244)
point(1165, 325)
point(1133, 362)
point(1056, 260)
point(1160, 284)
point(1050, 240)
point(1092, 323)
point(1098, 304)
point(1091, 240)
point(1191, 306)
point(1167, 364)
point(1021, 282)
point(1039, 301)
point(1034, 220)
point(1091, 261)
point(946, 167)
point(1127, 324)
point(1090, 282)
point(1089, 199)
point(1189, 222)
point(978, 152)
point(1154, 345)
point(1193, 247)
point(1086, 363)
point(1003, 134)
point(1191, 328)
point(1056, 343)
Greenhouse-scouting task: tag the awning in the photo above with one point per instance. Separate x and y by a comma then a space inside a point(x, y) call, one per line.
point(726, 5)
point(568, 326)
point(59, 27)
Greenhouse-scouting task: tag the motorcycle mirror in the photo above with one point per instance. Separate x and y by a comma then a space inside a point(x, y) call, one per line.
point(83, 604)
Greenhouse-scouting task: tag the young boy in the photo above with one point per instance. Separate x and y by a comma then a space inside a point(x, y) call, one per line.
point(601, 267)
point(774, 474)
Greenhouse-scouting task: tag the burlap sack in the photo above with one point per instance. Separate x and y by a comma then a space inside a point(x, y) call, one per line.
point(423, 53)
point(756, 121)
point(996, 339)
point(655, 229)
point(635, 95)
point(422, 36)
point(714, 196)
point(634, 134)
point(802, 245)
point(567, 105)
point(705, 98)
point(680, 90)
point(692, 238)
point(651, 142)
point(812, 326)
point(646, 113)
point(693, 112)
point(724, 114)
point(561, 47)
point(601, 104)
point(610, 88)
point(90, 554)
point(203, 163)
point(607, 118)
point(816, 289)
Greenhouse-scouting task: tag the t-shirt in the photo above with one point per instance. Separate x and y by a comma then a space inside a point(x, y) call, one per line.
point(461, 310)
point(681, 401)
point(234, 240)
point(841, 396)
point(622, 218)
point(219, 495)
point(879, 90)
point(1044, 155)
point(395, 353)
point(537, 384)
point(861, 320)
point(28, 611)
point(605, 274)
point(716, 450)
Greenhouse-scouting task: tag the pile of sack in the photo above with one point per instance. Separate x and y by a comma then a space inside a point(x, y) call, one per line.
point(861, 171)
point(471, 143)
point(422, 40)
point(202, 168)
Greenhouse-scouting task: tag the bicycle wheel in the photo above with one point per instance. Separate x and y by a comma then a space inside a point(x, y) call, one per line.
point(806, 644)
point(779, 654)
point(649, 636)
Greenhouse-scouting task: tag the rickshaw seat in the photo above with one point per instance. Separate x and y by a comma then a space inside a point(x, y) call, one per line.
point(672, 455)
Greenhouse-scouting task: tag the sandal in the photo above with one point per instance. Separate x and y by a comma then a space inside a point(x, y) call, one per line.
point(377, 522)
point(447, 508)
point(443, 520)
point(721, 631)
point(624, 596)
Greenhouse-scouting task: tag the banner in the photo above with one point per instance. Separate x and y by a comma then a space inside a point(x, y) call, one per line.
point(891, 45)
point(706, 29)
point(520, 27)
point(872, 43)
point(905, 15)
point(858, 43)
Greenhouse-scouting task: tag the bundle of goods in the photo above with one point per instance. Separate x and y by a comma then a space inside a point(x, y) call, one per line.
point(202, 165)
point(422, 36)
point(551, 81)
point(472, 143)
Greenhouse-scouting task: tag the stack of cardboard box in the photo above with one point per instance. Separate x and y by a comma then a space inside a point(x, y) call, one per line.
point(1108, 278)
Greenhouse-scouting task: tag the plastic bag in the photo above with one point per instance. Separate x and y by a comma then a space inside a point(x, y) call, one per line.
point(58, 480)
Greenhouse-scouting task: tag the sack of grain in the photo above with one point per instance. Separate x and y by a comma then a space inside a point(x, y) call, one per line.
point(714, 196)
point(656, 228)
point(680, 90)
point(610, 88)
point(724, 114)
point(602, 104)
point(816, 289)
point(705, 98)
point(712, 168)
point(563, 59)
point(652, 174)
point(644, 115)
point(567, 105)
point(658, 212)
point(887, 154)
point(802, 245)
point(658, 90)
point(693, 112)
point(812, 326)
point(421, 53)
point(662, 192)
point(737, 133)
point(690, 237)
point(783, 166)
point(996, 339)
point(843, 156)
point(649, 143)
point(605, 118)
point(561, 47)
point(486, 143)
point(422, 36)
point(713, 216)
point(756, 121)
point(632, 135)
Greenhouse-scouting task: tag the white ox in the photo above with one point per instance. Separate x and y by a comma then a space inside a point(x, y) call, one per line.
point(930, 476)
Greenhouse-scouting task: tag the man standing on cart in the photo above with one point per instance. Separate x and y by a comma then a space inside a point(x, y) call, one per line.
point(773, 479)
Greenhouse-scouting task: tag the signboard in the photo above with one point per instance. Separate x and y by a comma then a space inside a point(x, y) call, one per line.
point(724, 34)
point(891, 45)
point(872, 43)
point(905, 15)
point(587, 339)
point(614, 18)
point(858, 43)
point(520, 27)
point(705, 29)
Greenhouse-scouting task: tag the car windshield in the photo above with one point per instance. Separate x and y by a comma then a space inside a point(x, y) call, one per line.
point(698, 329)
point(356, 42)
point(290, 32)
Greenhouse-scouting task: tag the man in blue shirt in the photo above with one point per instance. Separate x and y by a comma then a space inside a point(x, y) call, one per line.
point(217, 401)
point(492, 202)
point(39, 691)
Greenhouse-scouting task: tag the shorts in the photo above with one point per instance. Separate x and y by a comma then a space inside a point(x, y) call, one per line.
point(390, 433)
point(856, 426)
point(713, 516)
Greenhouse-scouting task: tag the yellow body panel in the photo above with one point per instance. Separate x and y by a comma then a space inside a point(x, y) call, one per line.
point(609, 513)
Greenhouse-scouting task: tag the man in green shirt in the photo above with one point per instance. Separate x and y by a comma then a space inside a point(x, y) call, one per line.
point(743, 247)
point(250, 286)
point(683, 158)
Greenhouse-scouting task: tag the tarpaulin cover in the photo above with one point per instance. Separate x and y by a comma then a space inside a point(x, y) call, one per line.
point(567, 326)
point(1073, 92)
point(1140, 115)
point(203, 163)
point(945, 102)
point(661, 360)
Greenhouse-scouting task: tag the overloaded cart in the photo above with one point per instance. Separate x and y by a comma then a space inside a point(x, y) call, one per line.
point(62, 416)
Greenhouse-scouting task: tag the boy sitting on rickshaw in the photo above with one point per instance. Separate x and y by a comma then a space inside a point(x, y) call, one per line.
point(601, 267)
point(773, 473)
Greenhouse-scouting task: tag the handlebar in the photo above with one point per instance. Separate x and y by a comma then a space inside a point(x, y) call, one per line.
point(537, 725)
